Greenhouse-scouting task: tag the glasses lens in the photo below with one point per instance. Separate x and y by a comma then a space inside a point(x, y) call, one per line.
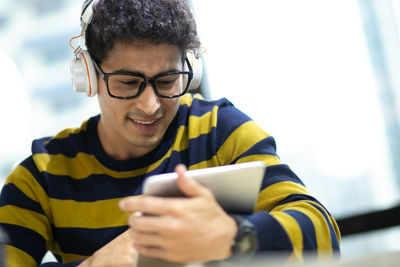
point(124, 85)
point(171, 84)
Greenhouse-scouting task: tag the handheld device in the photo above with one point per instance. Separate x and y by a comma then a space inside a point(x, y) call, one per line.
point(235, 187)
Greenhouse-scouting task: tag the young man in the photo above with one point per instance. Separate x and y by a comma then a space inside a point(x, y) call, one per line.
point(77, 195)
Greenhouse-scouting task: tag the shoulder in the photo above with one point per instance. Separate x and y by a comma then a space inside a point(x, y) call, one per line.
point(68, 141)
point(197, 105)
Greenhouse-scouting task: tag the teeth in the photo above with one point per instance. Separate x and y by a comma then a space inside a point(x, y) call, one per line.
point(144, 122)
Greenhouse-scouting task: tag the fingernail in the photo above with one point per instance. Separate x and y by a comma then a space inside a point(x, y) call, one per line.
point(122, 204)
point(137, 213)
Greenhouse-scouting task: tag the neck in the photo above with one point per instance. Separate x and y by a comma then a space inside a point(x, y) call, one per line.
point(116, 149)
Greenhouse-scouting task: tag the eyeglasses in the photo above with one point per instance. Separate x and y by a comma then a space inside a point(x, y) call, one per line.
point(127, 85)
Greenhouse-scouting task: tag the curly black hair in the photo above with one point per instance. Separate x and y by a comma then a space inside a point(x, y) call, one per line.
point(157, 21)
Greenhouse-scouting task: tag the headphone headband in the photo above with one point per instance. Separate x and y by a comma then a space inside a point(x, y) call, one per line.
point(87, 13)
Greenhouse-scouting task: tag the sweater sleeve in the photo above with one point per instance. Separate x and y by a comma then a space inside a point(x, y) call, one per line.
point(287, 218)
point(24, 217)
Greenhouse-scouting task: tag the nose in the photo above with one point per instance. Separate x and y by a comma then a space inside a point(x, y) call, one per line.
point(148, 101)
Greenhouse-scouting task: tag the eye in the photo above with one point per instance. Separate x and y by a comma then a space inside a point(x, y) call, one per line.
point(125, 81)
point(166, 82)
point(130, 81)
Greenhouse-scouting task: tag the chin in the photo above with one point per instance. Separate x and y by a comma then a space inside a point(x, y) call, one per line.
point(146, 143)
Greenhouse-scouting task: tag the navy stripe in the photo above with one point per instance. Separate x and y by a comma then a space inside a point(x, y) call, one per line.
point(296, 197)
point(12, 195)
point(265, 146)
point(229, 119)
point(90, 240)
point(30, 165)
point(68, 146)
point(270, 233)
point(334, 239)
point(206, 149)
point(26, 240)
point(299, 197)
point(58, 264)
point(95, 187)
point(307, 228)
point(279, 173)
point(101, 186)
point(200, 107)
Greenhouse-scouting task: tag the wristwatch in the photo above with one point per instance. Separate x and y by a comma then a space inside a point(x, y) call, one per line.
point(245, 242)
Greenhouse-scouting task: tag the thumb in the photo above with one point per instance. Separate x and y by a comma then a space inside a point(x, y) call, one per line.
point(188, 186)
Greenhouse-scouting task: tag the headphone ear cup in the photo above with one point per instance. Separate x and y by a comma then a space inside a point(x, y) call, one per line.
point(197, 67)
point(83, 74)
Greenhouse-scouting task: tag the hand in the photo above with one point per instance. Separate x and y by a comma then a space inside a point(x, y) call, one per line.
point(119, 252)
point(185, 230)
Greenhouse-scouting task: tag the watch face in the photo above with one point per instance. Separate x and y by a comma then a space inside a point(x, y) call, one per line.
point(247, 243)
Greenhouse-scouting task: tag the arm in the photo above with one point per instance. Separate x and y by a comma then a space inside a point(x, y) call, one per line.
point(287, 217)
point(25, 215)
point(24, 218)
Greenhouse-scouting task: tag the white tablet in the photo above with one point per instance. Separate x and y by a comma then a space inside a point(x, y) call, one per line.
point(235, 187)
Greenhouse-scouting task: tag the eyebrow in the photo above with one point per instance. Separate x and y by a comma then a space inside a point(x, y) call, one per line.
point(127, 71)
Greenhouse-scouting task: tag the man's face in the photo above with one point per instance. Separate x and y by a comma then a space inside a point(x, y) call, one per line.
point(133, 127)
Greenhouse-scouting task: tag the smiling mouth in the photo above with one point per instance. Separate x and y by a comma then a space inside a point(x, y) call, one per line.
point(145, 122)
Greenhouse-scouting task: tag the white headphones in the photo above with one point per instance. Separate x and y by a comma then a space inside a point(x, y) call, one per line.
point(83, 73)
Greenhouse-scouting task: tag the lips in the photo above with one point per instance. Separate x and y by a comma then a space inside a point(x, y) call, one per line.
point(145, 125)
point(145, 122)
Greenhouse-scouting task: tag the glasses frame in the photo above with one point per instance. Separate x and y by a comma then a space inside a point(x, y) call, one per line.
point(151, 80)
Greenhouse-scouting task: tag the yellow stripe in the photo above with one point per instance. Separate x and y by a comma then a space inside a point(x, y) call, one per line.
point(331, 219)
point(187, 100)
point(273, 194)
point(54, 247)
point(320, 225)
point(18, 258)
point(269, 160)
point(198, 96)
point(94, 215)
point(213, 162)
point(202, 125)
point(293, 230)
point(25, 182)
point(235, 144)
point(65, 133)
point(26, 218)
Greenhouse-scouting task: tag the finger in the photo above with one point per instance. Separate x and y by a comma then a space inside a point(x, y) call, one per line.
point(164, 226)
point(151, 205)
point(152, 252)
point(141, 239)
point(189, 187)
point(146, 223)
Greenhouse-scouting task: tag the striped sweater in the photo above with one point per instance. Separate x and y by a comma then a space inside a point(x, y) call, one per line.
point(64, 197)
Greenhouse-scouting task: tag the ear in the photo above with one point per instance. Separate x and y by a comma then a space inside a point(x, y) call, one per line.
point(196, 64)
point(83, 74)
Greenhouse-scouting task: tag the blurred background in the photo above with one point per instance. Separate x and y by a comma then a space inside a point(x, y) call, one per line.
point(321, 76)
